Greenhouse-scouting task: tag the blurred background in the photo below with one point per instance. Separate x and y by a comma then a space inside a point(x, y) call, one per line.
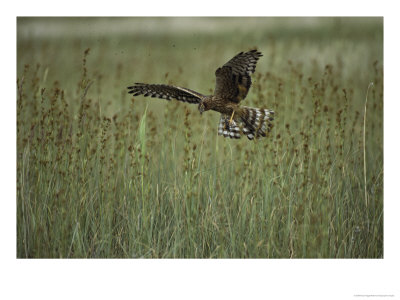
point(143, 48)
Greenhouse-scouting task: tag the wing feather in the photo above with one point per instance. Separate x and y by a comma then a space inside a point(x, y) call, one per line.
point(233, 79)
point(164, 91)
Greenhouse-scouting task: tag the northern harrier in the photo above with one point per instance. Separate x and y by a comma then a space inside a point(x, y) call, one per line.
point(233, 82)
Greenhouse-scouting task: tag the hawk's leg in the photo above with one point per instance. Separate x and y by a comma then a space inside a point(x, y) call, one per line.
point(230, 120)
point(226, 124)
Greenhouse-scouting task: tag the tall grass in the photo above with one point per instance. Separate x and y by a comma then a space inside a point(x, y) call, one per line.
point(102, 174)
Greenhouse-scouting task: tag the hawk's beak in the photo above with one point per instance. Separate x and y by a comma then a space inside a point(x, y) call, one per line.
point(201, 108)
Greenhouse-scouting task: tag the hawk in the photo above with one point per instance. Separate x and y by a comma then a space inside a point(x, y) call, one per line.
point(233, 82)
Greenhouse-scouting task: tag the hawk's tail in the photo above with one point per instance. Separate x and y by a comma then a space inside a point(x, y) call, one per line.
point(252, 122)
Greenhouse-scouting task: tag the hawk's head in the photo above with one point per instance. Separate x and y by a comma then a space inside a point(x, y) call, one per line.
point(202, 107)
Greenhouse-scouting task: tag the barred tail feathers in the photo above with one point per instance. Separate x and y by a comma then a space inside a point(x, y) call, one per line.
point(256, 121)
point(252, 122)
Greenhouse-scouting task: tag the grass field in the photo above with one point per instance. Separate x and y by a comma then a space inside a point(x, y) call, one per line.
point(101, 174)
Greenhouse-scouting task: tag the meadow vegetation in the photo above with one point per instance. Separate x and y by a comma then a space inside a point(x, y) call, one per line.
point(102, 174)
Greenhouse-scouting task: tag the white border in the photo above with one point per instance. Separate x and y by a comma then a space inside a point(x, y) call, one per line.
point(198, 279)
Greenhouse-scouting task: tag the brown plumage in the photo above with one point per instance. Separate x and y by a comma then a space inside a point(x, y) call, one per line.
point(233, 82)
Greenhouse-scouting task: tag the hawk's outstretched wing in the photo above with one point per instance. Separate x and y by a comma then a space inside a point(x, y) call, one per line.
point(164, 91)
point(233, 79)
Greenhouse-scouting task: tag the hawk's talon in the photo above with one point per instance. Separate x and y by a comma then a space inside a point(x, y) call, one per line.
point(226, 124)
